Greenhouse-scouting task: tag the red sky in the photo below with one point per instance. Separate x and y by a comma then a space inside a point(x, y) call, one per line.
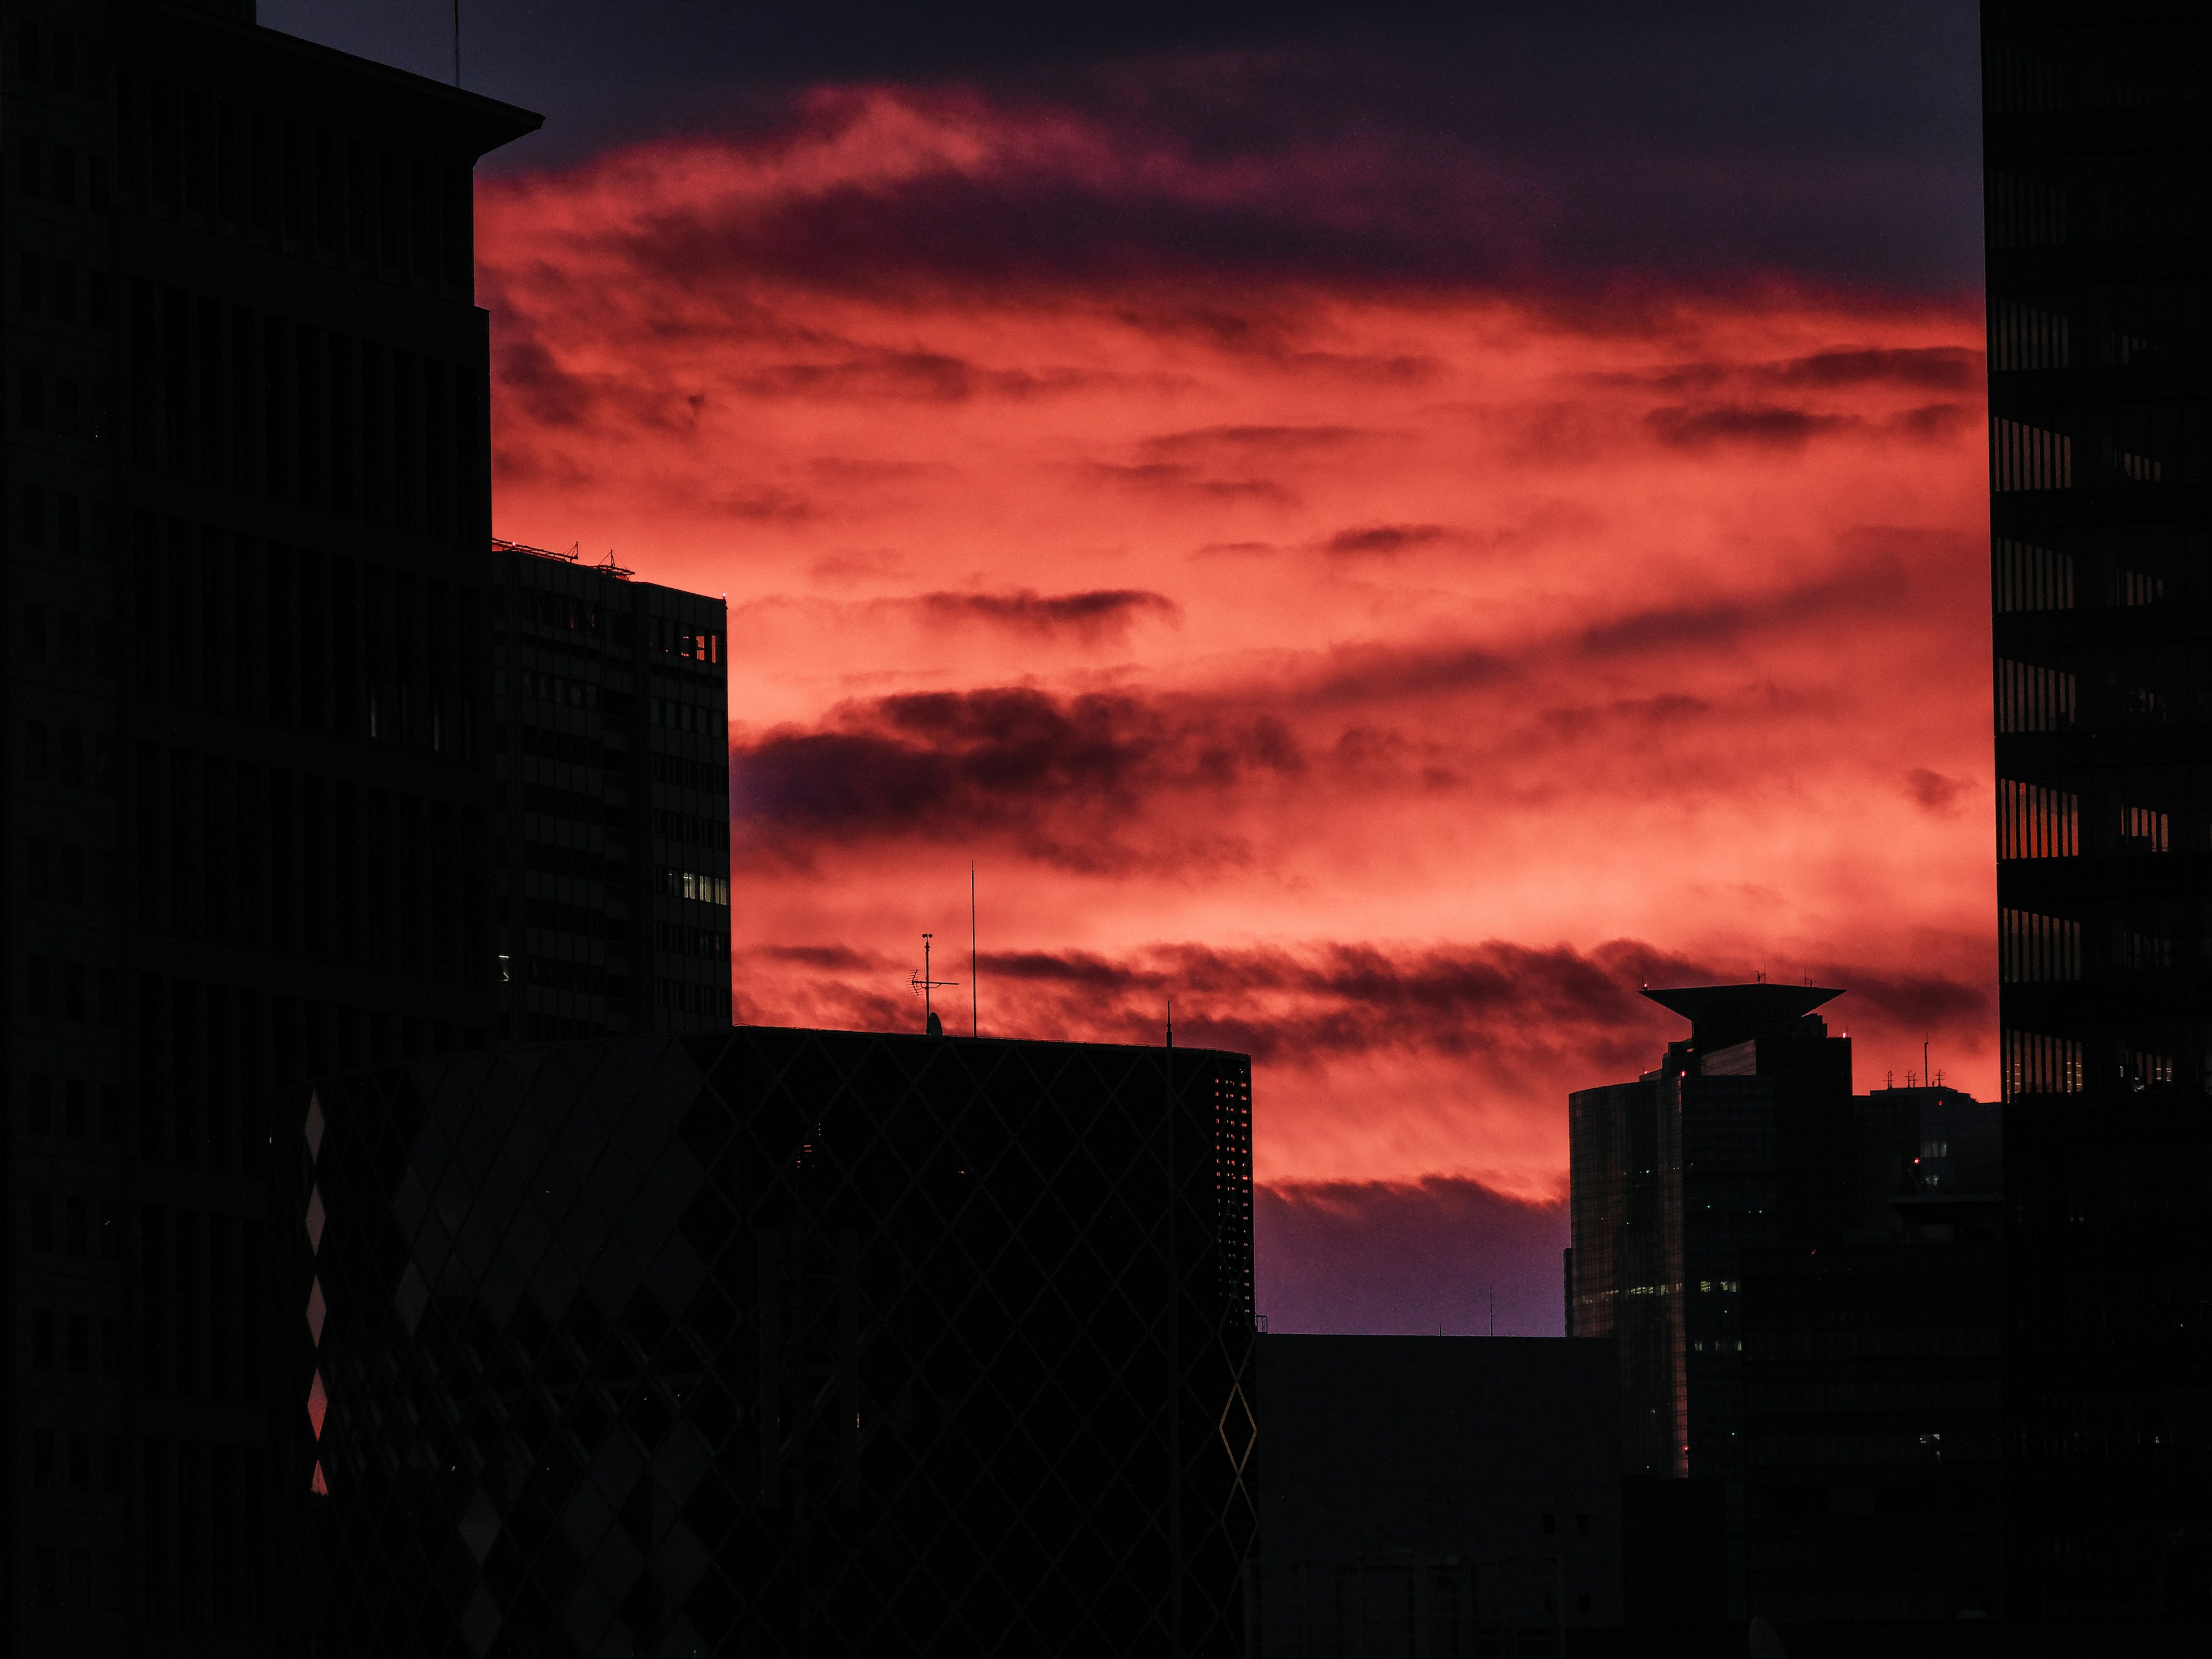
point(1394, 672)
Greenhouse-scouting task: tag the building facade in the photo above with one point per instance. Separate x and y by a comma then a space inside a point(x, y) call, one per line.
point(247, 717)
point(1434, 1495)
point(1739, 1140)
point(610, 703)
point(1873, 1425)
point(777, 1342)
point(2098, 157)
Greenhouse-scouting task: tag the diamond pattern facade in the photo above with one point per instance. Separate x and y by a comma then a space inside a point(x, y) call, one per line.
point(779, 1342)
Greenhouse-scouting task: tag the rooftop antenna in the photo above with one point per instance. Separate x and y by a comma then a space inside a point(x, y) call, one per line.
point(1924, 1057)
point(457, 42)
point(922, 985)
point(1171, 1022)
point(974, 988)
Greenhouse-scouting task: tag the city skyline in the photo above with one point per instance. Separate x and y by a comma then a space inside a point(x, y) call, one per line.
point(1335, 574)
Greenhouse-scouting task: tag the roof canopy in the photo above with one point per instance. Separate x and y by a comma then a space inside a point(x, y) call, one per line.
point(1722, 1014)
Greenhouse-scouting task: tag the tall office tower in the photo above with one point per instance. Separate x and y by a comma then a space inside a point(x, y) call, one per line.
point(611, 704)
point(1739, 1138)
point(2098, 153)
point(245, 824)
point(778, 1342)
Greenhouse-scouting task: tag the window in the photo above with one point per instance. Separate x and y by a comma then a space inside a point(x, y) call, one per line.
point(73, 990)
point(38, 985)
point(36, 868)
point(2034, 949)
point(65, 406)
point(42, 1223)
point(39, 1104)
point(34, 517)
point(115, 1461)
point(47, 1577)
point(1582, 1530)
point(29, 164)
point(72, 640)
point(73, 1113)
point(64, 291)
point(28, 285)
point(74, 1229)
point(35, 398)
point(111, 1351)
point(80, 1462)
point(111, 1233)
point(1551, 1526)
point(69, 756)
point(64, 175)
point(42, 1339)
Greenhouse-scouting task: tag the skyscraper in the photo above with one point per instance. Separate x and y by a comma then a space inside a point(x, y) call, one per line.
point(1739, 1138)
point(611, 702)
point(247, 827)
point(2099, 158)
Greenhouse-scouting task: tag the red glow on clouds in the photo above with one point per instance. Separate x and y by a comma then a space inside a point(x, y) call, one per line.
point(1395, 676)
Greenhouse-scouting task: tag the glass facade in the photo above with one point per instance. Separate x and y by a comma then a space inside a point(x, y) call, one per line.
point(1739, 1141)
point(778, 1341)
point(2098, 156)
point(2099, 249)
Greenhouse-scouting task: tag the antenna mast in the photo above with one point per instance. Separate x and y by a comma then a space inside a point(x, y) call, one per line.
point(974, 983)
point(457, 42)
point(922, 985)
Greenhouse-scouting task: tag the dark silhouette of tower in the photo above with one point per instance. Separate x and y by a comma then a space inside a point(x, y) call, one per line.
point(1740, 1140)
point(2100, 248)
point(612, 745)
point(247, 718)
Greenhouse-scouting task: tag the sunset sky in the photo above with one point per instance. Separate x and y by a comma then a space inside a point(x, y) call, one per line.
point(1390, 535)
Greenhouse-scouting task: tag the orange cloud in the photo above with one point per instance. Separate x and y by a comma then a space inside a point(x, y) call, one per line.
point(1394, 674)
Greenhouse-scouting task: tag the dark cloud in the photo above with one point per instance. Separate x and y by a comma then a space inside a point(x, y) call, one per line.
point(1919, 369)
point(1711, 141)
point(1875, 582)
point(1934, 368)
point(1290, 440)
point(1933, 791)
point(1169, 478)
point(1496, 999)
point(1063, 776)
point(1770, 426)
point(1554, 1015)
point(1387, 1259)
point(1381, 539)
point(1099, 612)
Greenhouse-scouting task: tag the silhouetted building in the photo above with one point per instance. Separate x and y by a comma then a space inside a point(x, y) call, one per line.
point(1920, 1141)
point(612, 699)
point(246, 711)
point(778, 1341)
point(1873, 1422)
point(1740, 1140)
point(2100, 253)
point(1440, 1495)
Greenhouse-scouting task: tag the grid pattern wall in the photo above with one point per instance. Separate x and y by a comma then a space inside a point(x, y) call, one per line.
point(781, 1342)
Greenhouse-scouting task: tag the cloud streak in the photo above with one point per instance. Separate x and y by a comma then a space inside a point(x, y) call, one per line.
point(1396, 668)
